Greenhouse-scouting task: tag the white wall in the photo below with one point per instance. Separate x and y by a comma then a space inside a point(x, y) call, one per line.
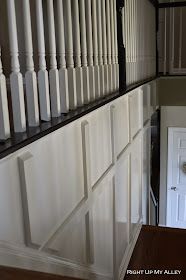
point(171, 116)
point(76, 194)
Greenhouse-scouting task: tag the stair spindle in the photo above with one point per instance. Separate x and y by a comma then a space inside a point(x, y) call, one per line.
point(30, 76)
point(109, 43)
point(90, 48)
point(116, 44)
point(104, 32)
point(95, 48)
point(100, 48)
point(43, 82)
point(113, 45)
point(53, 72)
point(85, 68)
point(16, 80)
point(63, 75)
point(77, 52)
point(69, 55)
point(4, 115)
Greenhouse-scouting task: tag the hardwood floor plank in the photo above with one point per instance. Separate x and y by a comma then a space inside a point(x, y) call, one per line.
point(7, 273)
point(161, 249)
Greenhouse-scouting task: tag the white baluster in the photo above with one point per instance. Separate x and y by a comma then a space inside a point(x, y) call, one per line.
point(100, 48)
point(43, 82)
point(109, 43)
point(126, 45)
point(180, 37)
point(113, 45)
point(4, 115)
point(116, 44)
point(53, 73)
point(88, 14)
point(85, 69)
point(69, 55)
point(16, 80)
point(30, 76)
point(165, 43)
point(95, 48)
point(63, 75)
point(77, 52)
point(104, 32)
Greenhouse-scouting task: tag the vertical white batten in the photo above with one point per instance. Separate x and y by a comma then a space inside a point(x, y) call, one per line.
point(95, 48)
point(4, 114)
point(43, 82)
point(89, 31)
point(63, 75)
point(108, 29)
point(113, 44)
point(77, 52)
point(53, 72)
point(85, 69)
point(16, 80)
point(69, 55)
point(30, 76)
point(100, 48)
point(104, 32)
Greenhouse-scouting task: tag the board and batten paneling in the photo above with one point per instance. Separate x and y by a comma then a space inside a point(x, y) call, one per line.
point(73, 198)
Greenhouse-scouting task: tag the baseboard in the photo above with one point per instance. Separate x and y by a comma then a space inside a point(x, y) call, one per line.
point(22, 257)
point(128, 254)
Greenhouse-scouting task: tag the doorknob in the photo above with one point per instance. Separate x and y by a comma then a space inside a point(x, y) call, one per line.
point(173, 188)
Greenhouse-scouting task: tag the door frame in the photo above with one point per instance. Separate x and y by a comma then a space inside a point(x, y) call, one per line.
point(171, 131)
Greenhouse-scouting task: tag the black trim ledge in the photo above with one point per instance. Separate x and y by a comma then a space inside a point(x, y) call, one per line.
point(20, 140)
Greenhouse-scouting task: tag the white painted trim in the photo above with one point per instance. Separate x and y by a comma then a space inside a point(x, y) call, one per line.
point(21, 257)
point(128, 254)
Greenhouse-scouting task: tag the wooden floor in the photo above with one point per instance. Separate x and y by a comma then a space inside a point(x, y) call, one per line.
point(161, 249)
point(19, 274)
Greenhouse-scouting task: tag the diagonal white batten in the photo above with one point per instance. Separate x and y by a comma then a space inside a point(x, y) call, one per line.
point(30, 75)
point(16, 80)
point(53, 72)
point(43, 81)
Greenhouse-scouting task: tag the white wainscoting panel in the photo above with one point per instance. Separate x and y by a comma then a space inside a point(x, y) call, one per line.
point(122, 206)
point(146, 102)
point(100, 142)
point(103, 227)
point(11, 222)
point(136, 184)
point(135, 109)
point(121, 124)
point(65, 244)
point(51, 191)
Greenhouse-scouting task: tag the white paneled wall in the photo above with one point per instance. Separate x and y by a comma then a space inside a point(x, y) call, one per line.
point(71, 202)
point(139, 31)
point(55, 60)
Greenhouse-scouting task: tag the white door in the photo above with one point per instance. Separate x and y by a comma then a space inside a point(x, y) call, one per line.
point(176, 178)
